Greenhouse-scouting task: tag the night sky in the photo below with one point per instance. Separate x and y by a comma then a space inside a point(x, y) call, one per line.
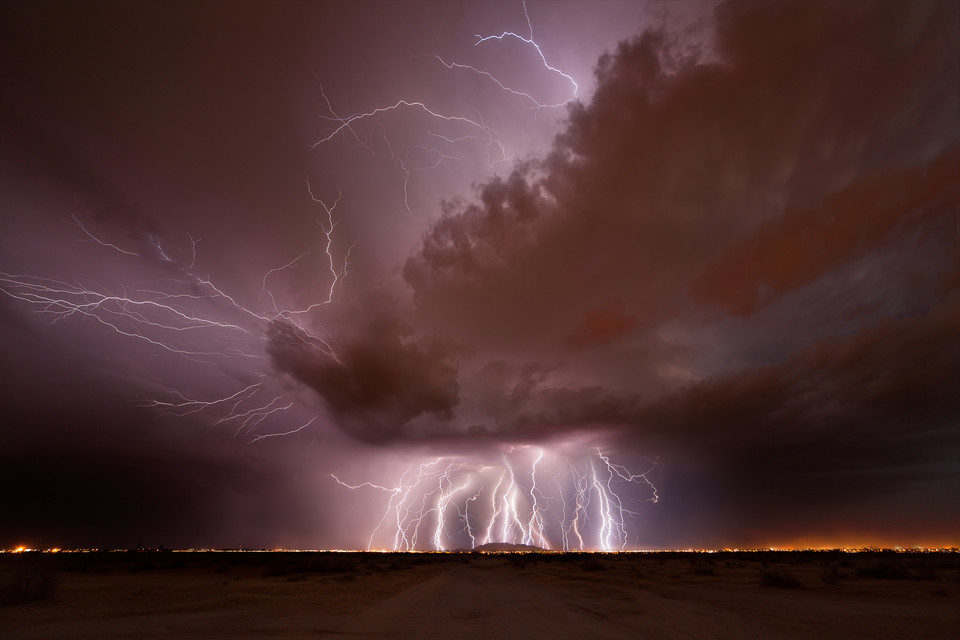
point(685, 274)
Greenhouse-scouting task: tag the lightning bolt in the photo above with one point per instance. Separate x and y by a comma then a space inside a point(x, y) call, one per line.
point(91, 237)
point(530, 41)
point(477, 129)
point(438, 500)
point(191, 317)
point(438, 503)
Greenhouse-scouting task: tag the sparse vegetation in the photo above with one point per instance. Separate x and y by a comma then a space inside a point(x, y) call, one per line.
point(704, 565)
point(31, 583)
point(286, 564)
point(884, 569)
point(518, 560)
point(832, 574)
point(593, 563)
point(280, 586)
point(779, 578)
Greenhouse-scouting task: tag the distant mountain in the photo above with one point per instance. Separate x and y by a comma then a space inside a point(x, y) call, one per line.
point(491, 547)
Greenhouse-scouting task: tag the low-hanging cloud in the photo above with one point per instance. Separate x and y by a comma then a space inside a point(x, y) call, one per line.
point(381, 380)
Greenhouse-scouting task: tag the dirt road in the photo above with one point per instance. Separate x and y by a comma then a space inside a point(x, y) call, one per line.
point(644, 597)
point(474, 602)
point(497, 601)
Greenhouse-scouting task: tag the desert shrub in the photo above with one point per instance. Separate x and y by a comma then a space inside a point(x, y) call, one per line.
point(592, 563)
point(275, 568)
point(925, 573)
point(832, 575)
point(403, 560)
point(333, 563)
point(27, 584)
point(885, 570)
point(517, 560)
point(145, 565)
point(779, 578)
point(703, 565)
point(523, 559)
point(932, 566)
point(570, 556)
point(96, 568)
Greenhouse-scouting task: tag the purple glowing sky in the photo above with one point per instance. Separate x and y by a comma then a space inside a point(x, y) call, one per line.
point(248, 249)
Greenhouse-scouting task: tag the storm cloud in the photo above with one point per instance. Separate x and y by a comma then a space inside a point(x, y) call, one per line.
point(731, 259)
point(381, 379)
point(739, 255)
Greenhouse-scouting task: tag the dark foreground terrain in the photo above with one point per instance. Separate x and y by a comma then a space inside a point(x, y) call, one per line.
point(372, 595)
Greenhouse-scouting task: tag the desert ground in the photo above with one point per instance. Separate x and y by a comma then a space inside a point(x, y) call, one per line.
point(373, 595)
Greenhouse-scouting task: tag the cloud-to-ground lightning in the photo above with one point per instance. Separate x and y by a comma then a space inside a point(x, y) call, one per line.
point(528, 494)
point(455, 502)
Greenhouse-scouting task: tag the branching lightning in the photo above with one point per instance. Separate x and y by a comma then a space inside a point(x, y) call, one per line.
point(476, 129)
point(93, 238)
point(191, 317)
point(535, 104)
point(530, 41)
point(345, 123)
point(450, 503)
point(527, 495)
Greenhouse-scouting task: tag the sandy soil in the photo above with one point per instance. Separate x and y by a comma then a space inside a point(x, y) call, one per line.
point(500, 596)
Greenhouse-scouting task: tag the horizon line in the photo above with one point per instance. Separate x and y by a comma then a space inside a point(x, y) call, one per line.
point(162, 549)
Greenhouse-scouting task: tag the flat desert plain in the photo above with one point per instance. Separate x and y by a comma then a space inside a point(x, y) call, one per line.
point(373, 595)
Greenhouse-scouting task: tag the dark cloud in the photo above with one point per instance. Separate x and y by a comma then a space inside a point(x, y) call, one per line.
point(824, 391)
point(603, 324)
point(795, 249)
point(872, 416)
point(381, 379)
point(867, 417)
point(677, 158)
point(760, 168)
point(801, 175)
point(739, 254)
point(887, 382)
point(519, 405)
